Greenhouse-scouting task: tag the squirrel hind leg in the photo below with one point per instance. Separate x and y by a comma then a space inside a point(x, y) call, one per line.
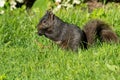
point(109, 36)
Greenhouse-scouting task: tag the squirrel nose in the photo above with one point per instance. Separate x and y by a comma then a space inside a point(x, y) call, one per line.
point(40, 33)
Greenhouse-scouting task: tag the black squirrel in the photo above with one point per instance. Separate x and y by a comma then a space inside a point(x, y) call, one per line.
point(70, 36)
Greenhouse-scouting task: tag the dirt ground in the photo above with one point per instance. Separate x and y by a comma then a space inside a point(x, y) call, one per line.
point(93, 4)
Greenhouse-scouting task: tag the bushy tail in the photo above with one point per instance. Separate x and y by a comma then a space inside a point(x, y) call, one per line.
point(100, 30)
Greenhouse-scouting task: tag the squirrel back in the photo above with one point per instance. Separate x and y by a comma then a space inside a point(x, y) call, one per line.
point(97, 29)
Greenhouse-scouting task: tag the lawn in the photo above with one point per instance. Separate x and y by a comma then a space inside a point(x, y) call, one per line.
point(26, 56)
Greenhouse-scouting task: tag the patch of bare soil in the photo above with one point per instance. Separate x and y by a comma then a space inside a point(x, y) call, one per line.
point(93, 4)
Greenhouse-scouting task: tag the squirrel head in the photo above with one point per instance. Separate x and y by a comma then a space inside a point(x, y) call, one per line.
point(46, 22)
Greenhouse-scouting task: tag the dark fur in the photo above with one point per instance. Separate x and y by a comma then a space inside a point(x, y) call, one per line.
point(97, 28)
point(69, 36)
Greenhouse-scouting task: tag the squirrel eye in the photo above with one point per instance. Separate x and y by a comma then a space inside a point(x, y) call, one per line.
point(44, 21)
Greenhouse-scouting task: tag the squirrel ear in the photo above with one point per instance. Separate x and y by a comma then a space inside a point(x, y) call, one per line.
point(51, 15)
point(49, 11)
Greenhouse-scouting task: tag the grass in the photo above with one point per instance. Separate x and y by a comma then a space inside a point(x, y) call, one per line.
point(26, 56)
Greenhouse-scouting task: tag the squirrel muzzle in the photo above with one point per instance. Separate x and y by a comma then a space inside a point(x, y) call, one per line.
point(41, 32)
